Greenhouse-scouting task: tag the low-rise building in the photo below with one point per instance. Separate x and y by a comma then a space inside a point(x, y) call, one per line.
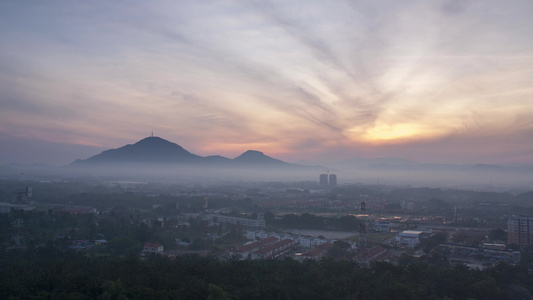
point(217, 218)
point(246, 250)
point(408, 238)
point(383, 226)
point(369, 256)
point(9, 207)
point(153, 248)
point(274, 250)
point(317, 252)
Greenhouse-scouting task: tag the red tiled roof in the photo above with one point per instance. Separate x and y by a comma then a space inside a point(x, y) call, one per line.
point(376, 253)
point(317, 250)
point(255, 245)
point(274, 246)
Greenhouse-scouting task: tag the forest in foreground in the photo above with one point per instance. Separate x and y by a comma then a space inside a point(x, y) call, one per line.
point(49, 273)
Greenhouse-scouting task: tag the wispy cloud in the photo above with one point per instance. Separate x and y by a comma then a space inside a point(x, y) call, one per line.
point(297, 78)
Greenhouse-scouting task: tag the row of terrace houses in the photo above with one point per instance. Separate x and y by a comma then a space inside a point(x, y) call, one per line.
point(481, 253)
point(245, 222)
point(317, 252)
point(275, 250)
point(245, 251)
point(369, 256)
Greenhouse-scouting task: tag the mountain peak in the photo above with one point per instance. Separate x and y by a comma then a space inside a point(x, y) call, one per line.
point(151, 138)
point(254, 156)
point(148, 150)
point(253, 153)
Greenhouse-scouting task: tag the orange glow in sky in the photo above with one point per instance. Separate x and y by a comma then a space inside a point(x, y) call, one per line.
point(437, 80)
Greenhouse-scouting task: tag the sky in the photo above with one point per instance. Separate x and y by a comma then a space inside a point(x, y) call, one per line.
point(444, 81)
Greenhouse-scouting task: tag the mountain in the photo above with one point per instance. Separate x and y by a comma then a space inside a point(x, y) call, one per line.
point(155, 150)
point(259, 158)
point(148, 150)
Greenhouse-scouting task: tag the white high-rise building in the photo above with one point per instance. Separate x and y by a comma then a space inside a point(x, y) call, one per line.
point(520, 230)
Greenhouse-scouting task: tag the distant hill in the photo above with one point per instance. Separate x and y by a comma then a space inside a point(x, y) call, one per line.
point(259, 158)
point(148, 150)
point(155, 150)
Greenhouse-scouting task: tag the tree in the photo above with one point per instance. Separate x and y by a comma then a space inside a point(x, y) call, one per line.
point(291, 220)
point(216, 293)
point(497, 234)
point(270, 218)
point(348, 223)
point(124, 246)
point(339, 250)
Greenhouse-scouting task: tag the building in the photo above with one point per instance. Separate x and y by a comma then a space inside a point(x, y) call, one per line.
point(332, 180)
point(222, 219)
point(323, 180)
point(76, 210)
point(520, 230)
point(408, 238)
point(153, 248)
point(274, 250)
point(309, 242)
point(373, 255)
point(245, 251)
point(477, 253)
point(317, 252)
point(256, 234)
point(9, 207)
point(383, 226)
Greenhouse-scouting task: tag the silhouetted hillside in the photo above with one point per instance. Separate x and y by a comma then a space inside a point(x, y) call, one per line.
point(148, 150)
point(155, 150)
point(257, 157)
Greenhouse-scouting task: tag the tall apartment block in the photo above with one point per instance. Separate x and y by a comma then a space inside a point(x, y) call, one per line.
point(520, 230)
point(328, 180)
point(332, 180)
point(323, 180)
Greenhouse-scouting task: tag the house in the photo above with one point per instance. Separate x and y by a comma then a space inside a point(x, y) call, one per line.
point(153, 248)
point(254, 234)
point(317, 252)
point(100, 242)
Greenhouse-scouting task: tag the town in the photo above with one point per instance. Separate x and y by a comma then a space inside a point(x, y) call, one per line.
point(264, 220)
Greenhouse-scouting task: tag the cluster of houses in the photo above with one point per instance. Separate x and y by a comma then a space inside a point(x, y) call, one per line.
point(86, 244)
point(272, 245)
point(485, 252)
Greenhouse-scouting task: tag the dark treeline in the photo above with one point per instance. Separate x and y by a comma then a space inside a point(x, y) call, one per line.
point(48, 273)
point(310, 221)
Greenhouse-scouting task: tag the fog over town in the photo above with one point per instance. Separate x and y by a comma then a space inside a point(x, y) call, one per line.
point(154, 202)
point(266, 149)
